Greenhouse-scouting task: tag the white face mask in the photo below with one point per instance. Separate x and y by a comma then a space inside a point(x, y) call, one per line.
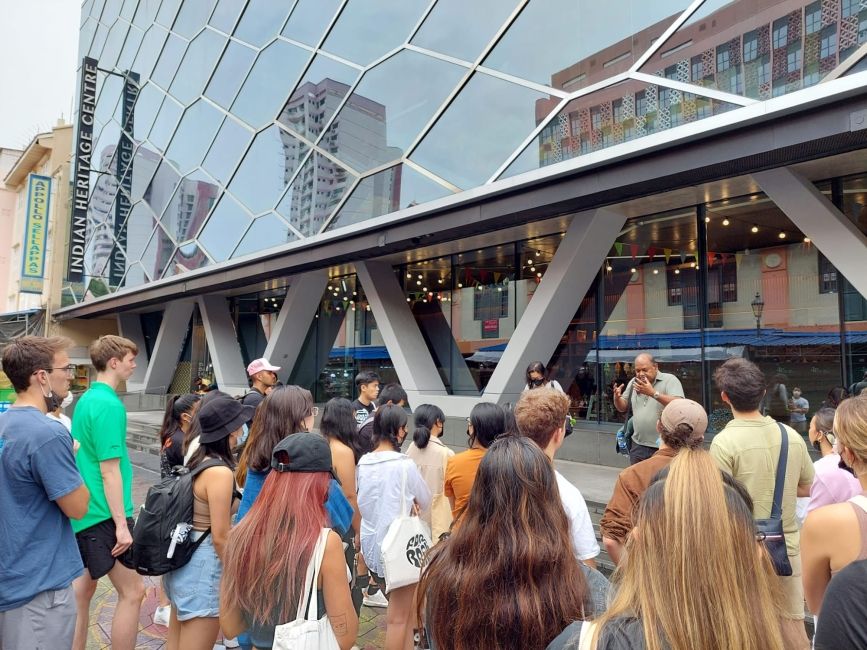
point(66, 400)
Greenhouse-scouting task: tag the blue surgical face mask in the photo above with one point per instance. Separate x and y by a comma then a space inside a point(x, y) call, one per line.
point(244, 434)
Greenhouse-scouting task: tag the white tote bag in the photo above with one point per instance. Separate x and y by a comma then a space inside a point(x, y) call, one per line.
point(404, 546)
point(312, 632)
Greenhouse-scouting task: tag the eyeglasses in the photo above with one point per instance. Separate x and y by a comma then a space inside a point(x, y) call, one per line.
point(315, 411)
point(70, 369)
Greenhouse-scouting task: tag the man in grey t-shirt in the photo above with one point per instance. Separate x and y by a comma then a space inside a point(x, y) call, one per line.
point(649, 392)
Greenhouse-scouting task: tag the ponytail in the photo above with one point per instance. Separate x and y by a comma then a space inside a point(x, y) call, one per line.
point(421, 436)
point(425, 417)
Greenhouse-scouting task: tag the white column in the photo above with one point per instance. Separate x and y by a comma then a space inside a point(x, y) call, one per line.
point(129, 326)
point(223, 345)
point(412, 361)
point(572, 271)
point(168, 347)
point(293, 323)
point(840, 240)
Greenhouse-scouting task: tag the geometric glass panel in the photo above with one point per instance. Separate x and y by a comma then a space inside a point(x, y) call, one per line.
point(164, 125)
point(196, 68)
point(224, 228)
point(157, 253)
point(265, 232)
point(389, 108)
point(314, 194)
point(151, 45)
point(232, 139)
point(188, 208)
point(230, 73)
point(387, 191)
point(261, 21)
point(267, 168)
point(584, 41)
point(192, 17)
point(260, 97)
point(368, 29)
point(162, 188)
point(170, 58)
point(314, 100)
point(139, 226)
point(309, 19)
point(226, 14)
point(188, 257)
point(489, 117)
point(462, 30)
point(194, 136)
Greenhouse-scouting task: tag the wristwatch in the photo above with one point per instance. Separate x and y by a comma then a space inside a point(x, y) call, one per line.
point(656, 395)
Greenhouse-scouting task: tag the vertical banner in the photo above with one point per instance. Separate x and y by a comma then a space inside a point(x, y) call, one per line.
point(81, 175)
point(123, 173)
point(35, 234)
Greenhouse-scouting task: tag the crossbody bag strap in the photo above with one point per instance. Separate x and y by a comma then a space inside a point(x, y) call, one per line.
point(312, 609)
point(304, 600)
point(777, 507)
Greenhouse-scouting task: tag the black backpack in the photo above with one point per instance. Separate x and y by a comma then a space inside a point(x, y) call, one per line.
point(161, 536)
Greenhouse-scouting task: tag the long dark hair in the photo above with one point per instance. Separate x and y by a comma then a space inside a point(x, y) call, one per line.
point(536, 366)
point(218, 449)
point(506, 578)
point(338, 422)
point(488, 422)
point(280, 414)
point(176, 406)
point(195, 429)
point(387, 421)
point(425, 417)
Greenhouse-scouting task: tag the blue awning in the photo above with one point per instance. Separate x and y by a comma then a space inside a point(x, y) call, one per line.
point(360, 353)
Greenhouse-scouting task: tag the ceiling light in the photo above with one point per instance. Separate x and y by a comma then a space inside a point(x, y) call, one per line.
point(460, 285)
point(532, 269)
point(608, 267)
point(633, 270)
point(807, 240)
point(755, 228)
point(424, 288)
point(707, 219)
point(782, 235)
point(538, 275)
point(677, 271)
point(725, 221)
point(692, 264)
point(409, 275)
point(407, 299)
point(419, 277)
point(418, 282)
point(538, 253)
point(655, 271)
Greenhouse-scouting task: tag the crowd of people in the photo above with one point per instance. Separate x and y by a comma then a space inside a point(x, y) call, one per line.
point(293, 521)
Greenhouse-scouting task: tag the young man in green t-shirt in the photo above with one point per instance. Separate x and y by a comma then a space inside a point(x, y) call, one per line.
point(104, 534)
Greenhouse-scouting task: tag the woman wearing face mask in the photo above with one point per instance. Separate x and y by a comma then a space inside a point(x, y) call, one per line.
point(831, 484)
point(431, 457)
point(59, 415)
point(836, 535)
point(180, 410)
point(537, 377)
point(380, 480)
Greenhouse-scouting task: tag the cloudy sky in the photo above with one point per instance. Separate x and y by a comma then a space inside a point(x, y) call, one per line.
point(38, 47)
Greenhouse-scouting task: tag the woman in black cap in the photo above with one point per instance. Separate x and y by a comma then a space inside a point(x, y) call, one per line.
point(261, 588)
point(194, 588)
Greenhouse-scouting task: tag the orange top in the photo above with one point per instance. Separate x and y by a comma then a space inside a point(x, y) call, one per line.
point(460, 475)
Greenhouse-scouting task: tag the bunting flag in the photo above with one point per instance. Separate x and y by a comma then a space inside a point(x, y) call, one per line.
point(711, 257)
point(497, 277)
point(651, 253)
point(738, 258)
point(667, 252)
point(682, 257)
point(618, 246)
point(633, 248)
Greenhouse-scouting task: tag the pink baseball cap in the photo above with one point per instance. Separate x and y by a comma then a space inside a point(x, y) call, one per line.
point(259, 365)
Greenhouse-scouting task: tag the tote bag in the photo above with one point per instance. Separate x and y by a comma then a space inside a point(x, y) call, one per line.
point(404, 546)
point(308, 631)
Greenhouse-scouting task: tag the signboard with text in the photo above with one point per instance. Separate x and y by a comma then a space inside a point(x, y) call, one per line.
point(35, 234)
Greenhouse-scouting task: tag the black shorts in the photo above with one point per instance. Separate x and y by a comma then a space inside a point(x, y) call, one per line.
point(95, 544)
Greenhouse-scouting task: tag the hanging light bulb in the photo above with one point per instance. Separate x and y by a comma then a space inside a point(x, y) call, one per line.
point(538, 253)
point(782, 235)
point(460, 285)
point(725, 221)
point(633, 270)
point(655, 271)
point(677, 271)
point(608, 267)
point(707, 219)
point(755, 228)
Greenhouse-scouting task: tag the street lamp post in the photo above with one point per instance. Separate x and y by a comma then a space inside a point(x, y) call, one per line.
point(758, 306)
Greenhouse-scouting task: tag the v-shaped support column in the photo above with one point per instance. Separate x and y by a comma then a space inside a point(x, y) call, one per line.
point(840, 240)
point(129, 326)
point(168, 347)
point(299, 307)
point(572, 271)
point(223, 345)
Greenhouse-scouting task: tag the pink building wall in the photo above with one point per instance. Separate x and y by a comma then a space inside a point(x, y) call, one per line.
point(7, 219)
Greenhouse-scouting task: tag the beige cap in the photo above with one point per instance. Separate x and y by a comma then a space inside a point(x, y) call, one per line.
point(684, 411)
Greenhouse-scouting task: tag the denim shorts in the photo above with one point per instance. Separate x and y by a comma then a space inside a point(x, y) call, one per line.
point(194, 589)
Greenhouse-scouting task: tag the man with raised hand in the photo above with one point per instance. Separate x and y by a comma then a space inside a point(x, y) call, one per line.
point(40, 490)
point(105, 533)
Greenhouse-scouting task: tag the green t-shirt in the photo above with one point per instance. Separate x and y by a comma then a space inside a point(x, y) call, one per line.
point(99, 425)
point(749, 450)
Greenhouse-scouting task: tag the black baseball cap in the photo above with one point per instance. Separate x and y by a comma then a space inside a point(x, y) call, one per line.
point(222, 416)
point(302, 452)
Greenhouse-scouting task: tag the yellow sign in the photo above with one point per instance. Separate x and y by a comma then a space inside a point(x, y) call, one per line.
point(35, 234)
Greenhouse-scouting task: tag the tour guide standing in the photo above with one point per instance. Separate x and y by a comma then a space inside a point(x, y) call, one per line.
point(40, 489)
point(649, 391)
point(105, 533)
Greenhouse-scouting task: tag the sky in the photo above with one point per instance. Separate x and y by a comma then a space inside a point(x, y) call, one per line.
point(38, 48)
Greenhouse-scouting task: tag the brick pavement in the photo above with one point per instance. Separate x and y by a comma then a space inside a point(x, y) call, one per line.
point(371, 634)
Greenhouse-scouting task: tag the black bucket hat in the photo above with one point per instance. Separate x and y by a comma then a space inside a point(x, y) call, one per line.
point(222, 416)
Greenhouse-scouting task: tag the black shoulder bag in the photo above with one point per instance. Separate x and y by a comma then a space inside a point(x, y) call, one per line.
point(627, 430)
point(771, 529)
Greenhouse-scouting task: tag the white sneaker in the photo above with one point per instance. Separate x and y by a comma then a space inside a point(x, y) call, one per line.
point(376, 600)
point(161, 615)
point(231, 643)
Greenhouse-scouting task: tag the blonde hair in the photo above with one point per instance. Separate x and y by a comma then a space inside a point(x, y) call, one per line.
point(694, 574)
point(109, 347)
point(850, 426)
point(540, 412)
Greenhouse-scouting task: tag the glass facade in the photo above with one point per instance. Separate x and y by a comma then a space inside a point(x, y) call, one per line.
point(227, 127)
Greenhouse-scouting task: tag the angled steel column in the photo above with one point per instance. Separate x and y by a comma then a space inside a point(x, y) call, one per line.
point(840, 240)
point(168, 347)
point(412, 361)
point(293, 323)
point(223, 345)
point(572, 271)
point(129, 326)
